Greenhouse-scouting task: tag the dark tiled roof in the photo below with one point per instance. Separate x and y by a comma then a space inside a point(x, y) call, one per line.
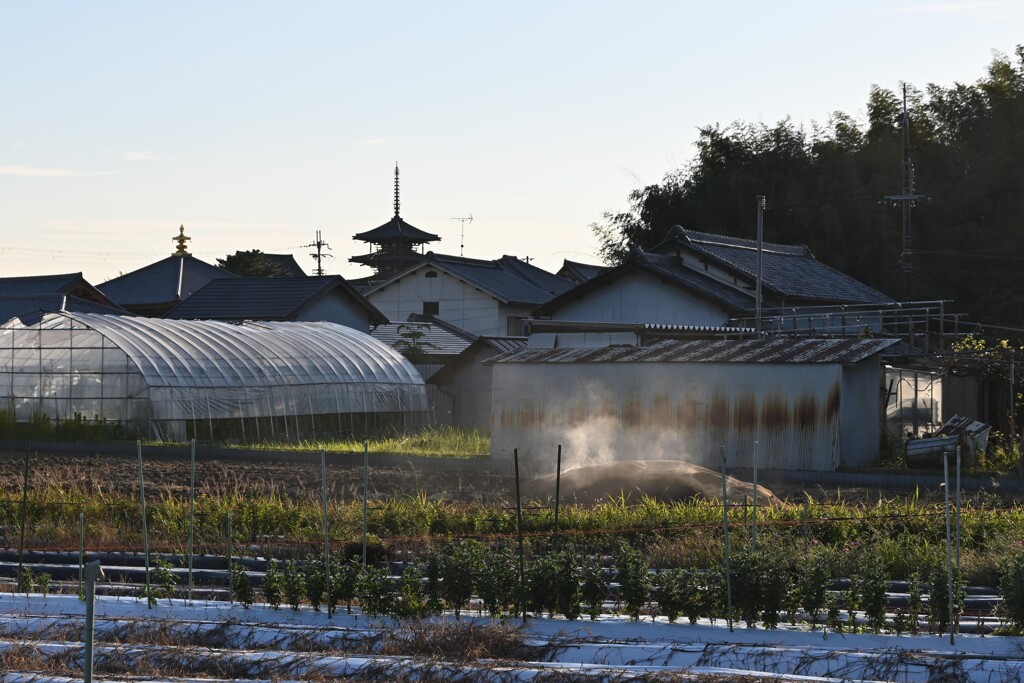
point(287, 263)
point(507, 278)
point(787, 270)
point(396, 229)
point(579, 272)
point(436, 341)
point(265, 298)
point(30, 308)
point(38, 284)
point(164, 282)
point(781, 350)
point(669, 268)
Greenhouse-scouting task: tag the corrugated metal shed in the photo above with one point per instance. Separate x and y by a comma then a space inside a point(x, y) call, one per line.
point(780, 350)
point(810, 404)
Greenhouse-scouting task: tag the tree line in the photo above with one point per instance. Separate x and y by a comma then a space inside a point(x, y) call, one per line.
point(826, 184)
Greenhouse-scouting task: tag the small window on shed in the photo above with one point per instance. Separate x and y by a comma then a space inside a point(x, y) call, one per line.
point(430, 273)
point(431, 308)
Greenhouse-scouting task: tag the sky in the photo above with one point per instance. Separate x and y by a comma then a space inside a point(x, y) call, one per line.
point(256, 124)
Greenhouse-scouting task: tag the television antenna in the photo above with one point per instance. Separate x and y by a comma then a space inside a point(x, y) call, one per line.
point(319, 255)
point(462, 230)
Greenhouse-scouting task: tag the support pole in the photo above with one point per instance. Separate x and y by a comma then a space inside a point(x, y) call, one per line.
point(753, 528)
point(191, 516)
point(145, 530)
point(519, 534)
point(958, 509)
point(231, 564)
point(24, 513)
point(760, 239)
point(806, 519)
point(558, 492)
point(327, 535)
point(81, 553)
point(949, 552)
point(725, 529)
point(93, 571)
point(366, 487)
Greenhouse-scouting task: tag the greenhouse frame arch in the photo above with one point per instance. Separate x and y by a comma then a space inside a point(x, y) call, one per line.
point(174, 380)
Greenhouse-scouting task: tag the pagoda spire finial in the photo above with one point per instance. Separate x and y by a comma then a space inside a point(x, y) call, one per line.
point(397, 203)
point(181, 238)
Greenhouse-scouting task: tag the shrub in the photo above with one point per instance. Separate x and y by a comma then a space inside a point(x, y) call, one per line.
point(593, 589)
point(26, 581)
point(498, 582)
point(293, 585)
point(344, 577)
point(813, 580)
point(410, 602)
point(457, 570)
point(760, 581)
point(273, 585)
point(939, 617)
point(634, 580)
point(375, 590)
point(873, 586)
point(161, 582)
point(314, 580)
point(1011, 585)
point(241, 586)
point(668, 592)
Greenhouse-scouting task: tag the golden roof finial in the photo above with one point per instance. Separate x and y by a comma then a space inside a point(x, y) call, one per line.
point(181, 239)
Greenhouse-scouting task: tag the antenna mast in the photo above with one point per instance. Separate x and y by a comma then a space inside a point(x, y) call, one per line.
point(906, 201)
point(462, 230)
point(319, 255)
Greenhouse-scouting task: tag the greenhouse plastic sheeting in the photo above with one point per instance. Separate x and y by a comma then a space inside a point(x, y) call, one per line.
point(154, 370)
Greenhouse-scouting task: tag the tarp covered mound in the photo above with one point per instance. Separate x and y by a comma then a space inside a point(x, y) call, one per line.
point(148, 370)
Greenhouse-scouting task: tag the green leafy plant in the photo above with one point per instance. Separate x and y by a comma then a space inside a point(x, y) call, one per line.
point(593, 587)
point(273, 585)
point(634, 580)
point(241, 586)
point(26, 580)
point(293, 585)
point(161, 581)
point(375, 591)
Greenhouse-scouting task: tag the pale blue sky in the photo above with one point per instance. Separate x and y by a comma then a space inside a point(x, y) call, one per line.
point(257, 123)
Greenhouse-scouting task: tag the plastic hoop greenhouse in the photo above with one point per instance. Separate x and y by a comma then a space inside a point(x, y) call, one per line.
point(175, 380)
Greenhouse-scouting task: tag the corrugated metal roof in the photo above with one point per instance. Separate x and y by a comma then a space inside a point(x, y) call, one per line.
point(712, 351)
point(265, 298)
point(435, 341)
point(504, 344)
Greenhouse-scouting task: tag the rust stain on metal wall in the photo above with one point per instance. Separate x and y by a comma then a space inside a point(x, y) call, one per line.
point(686, 412)
point(775, 411)
point(661, 410)
point(718, 411)
point(632, 411)
point(833, 401)
point(806, 411)
point(744, 414)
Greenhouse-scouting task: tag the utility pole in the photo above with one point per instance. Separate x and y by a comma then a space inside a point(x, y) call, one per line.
point(906, 201)
point(462, 230)
point(319, 255)
point(760, 252)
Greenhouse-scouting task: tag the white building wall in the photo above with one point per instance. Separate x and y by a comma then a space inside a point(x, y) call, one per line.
point(642, 298)
point(459, 303)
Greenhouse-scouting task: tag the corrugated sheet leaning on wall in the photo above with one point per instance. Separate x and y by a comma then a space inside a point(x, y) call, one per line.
point(649, 405)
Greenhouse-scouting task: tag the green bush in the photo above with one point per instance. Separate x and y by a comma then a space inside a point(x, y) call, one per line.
point(1011, 584)
point(241, 586)
point(273, 585)
point(634, 580)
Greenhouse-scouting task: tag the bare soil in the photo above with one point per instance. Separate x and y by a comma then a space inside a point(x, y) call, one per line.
point(295, 478)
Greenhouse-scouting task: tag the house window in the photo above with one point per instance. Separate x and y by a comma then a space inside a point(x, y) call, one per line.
point(514, 326)
point(430, 273)
point(431, 308)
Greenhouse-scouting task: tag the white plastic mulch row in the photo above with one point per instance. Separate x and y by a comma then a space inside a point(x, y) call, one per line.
point(611, 646)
